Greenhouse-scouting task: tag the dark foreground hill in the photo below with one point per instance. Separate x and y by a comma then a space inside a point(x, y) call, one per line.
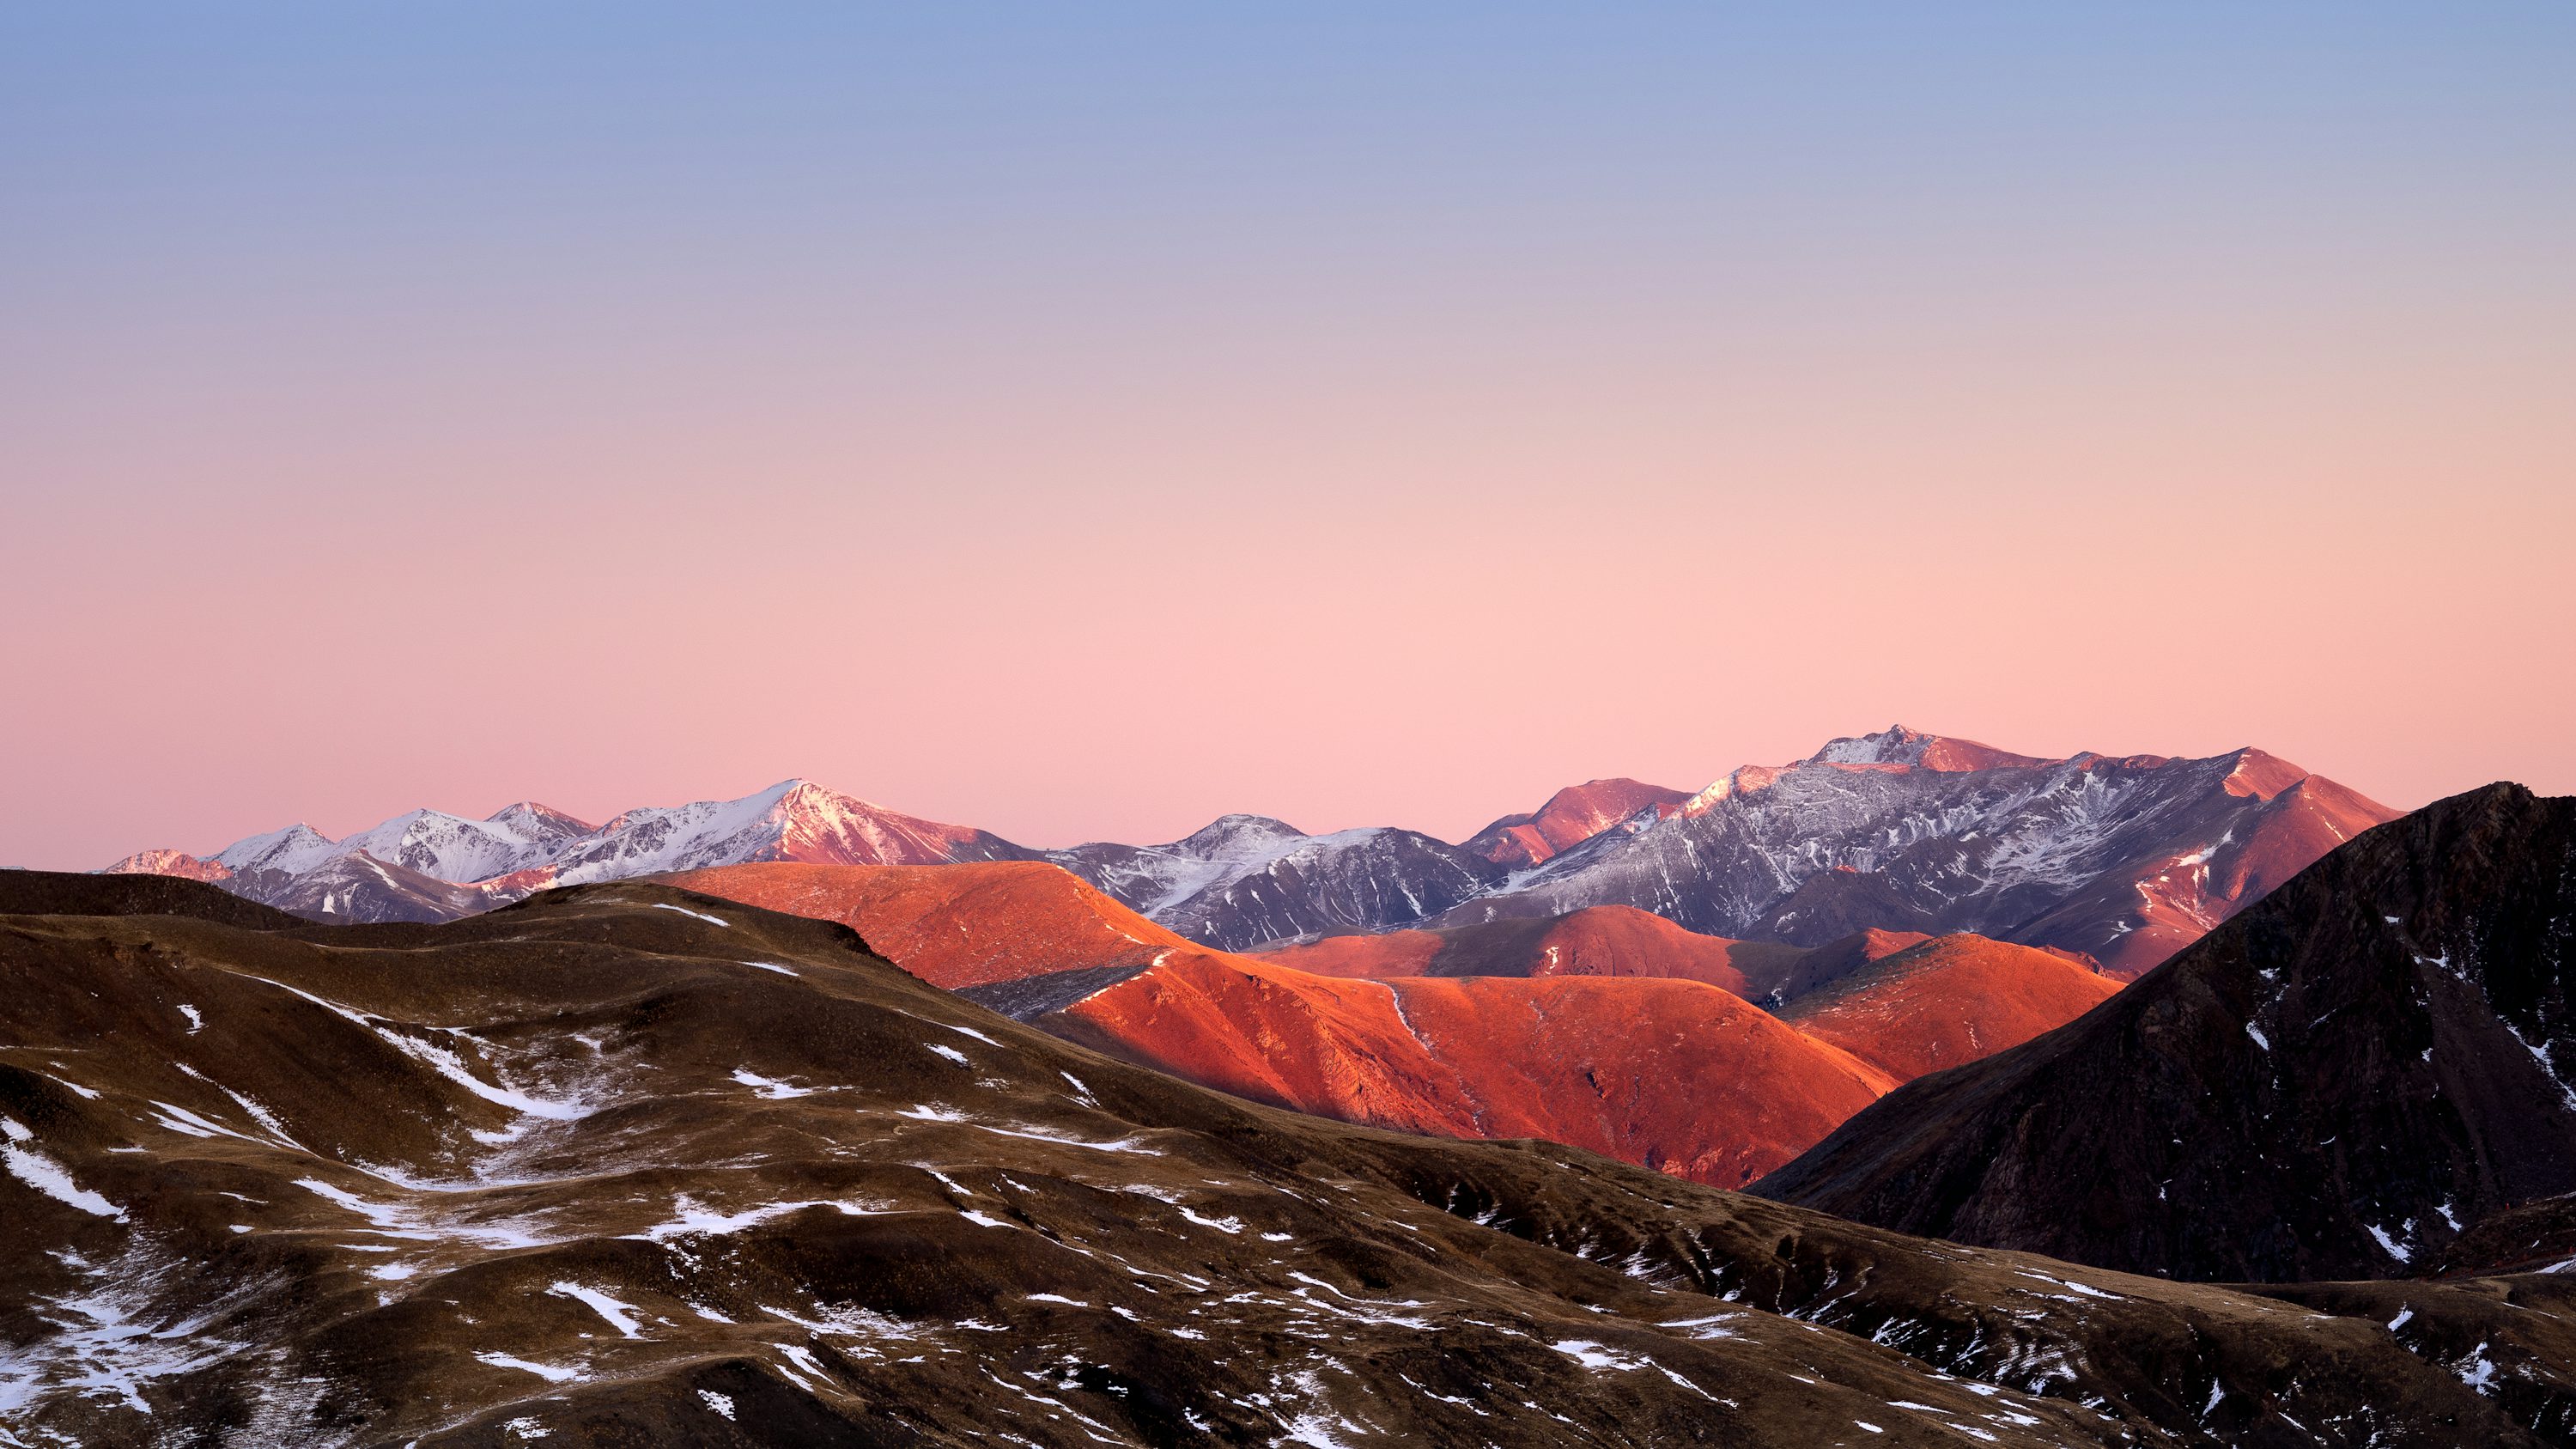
point(628, 1166)
point(2335, 1083)
point(79, 893)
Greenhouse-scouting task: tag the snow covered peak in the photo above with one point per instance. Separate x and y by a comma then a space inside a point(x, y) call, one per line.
point(1236, 836)
point(795, 820)
point(294, 850)
point(1894, 745)
point(168, 862)
point(530, 819)
point(1897, 747)
point(451, 848)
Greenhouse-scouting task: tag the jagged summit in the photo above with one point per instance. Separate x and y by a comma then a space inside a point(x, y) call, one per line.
point(1898, 745)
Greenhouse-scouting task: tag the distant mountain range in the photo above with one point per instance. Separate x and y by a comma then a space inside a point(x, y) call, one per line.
point(2121, 860)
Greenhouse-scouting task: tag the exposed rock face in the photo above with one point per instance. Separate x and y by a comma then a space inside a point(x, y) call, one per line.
point(359, 889)
point(2334, 1083)
point(1245, 880)
point(624, 1165)
point(2122, 860)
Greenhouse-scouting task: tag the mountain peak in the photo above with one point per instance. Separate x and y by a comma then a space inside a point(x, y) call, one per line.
point(1571, 816)
point(1900, 745)
point(528, 813)
point(1236, 830)
point(169, 862)
point(1894, 745)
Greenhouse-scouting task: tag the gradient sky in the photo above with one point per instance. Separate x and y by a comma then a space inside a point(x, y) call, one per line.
point(1080, 420)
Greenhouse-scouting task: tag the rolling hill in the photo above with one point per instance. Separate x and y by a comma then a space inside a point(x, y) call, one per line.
point(624, 1165)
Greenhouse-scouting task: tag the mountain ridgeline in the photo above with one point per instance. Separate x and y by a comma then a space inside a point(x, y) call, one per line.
point(2120, 860)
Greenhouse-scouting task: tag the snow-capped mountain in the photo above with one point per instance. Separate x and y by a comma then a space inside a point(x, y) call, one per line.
point(1244, 880)
point(170, 862)
point(452, 848)
point(293, 850)
point(792, 820)
point(357, 888)
point(427, 865)
point(2126, 860)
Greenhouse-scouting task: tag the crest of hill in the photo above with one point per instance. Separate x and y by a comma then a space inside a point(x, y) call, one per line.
point(1593, 941)
point(2336, 1082)
point(67, 893)
point(956, 926)
point(1945, 1002)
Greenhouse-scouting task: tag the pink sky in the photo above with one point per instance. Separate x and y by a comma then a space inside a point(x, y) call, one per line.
point(1288, 594)
point(1357, 435)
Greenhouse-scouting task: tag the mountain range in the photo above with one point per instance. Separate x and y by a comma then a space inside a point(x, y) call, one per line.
point(626, 1164)
point(2120, 860)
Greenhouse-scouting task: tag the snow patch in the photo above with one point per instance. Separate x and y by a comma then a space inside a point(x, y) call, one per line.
point(551, 1373)
point(620, 1316)
point(48, 1176)
point(773, 1091)
point(2393, 1247)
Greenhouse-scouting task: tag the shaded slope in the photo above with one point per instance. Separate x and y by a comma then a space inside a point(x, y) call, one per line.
point(1945, 1002)
point(66, 893)
point(581, 1171)
point(2323, 1086)
point(358, 888)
